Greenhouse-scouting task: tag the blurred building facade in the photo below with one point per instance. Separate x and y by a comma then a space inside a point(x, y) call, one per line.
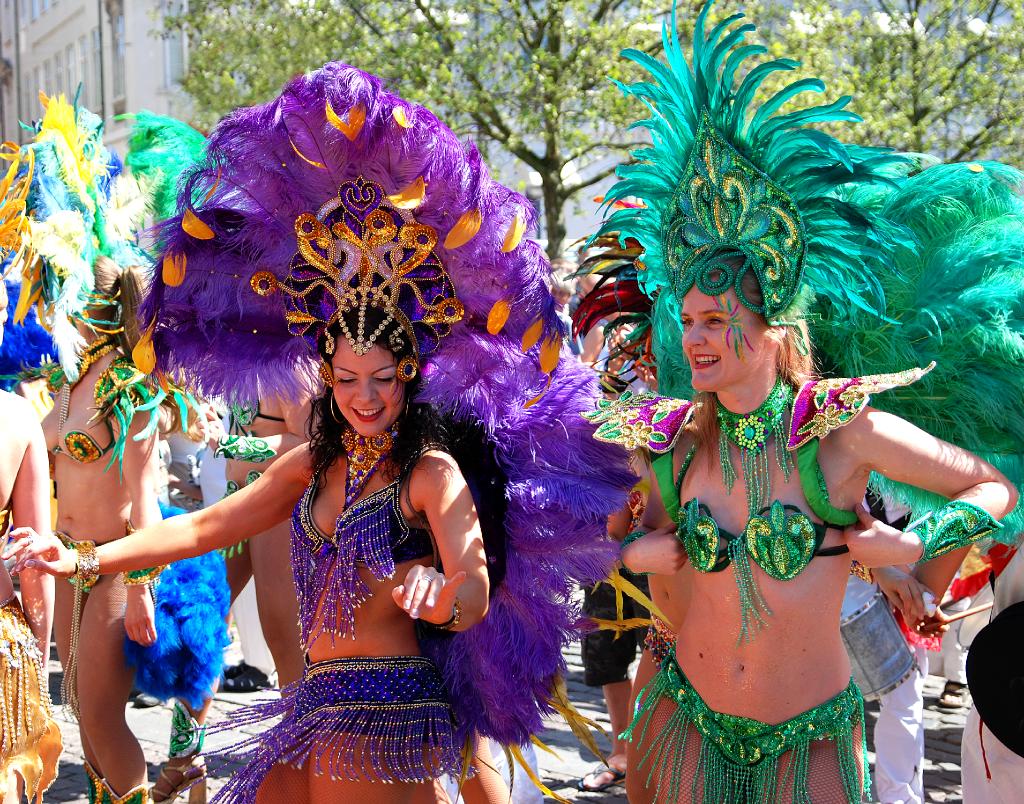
point(114, 49)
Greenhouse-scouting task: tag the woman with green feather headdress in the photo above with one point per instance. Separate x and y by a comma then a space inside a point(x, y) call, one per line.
point(82, 265)
point(749, 220)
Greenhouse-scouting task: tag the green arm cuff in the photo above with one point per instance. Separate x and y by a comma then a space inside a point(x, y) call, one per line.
point(957, 524)
point(245, 448)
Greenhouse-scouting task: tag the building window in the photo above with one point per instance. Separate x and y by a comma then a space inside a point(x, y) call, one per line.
point(83, 70)
point(35, 9)
point(48, 77)
point(95, 94)
point(118, 54)
point(71, 71)
point(174, 48)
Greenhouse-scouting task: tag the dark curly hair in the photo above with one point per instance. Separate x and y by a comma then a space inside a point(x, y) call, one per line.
point(421, 427)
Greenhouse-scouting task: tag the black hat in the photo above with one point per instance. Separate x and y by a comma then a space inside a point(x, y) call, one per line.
point(995, 674)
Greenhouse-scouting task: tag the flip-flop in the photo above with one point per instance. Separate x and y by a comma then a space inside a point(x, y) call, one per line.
point(618, 777)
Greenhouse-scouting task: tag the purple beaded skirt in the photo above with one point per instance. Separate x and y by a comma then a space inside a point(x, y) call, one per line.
point(383, 719)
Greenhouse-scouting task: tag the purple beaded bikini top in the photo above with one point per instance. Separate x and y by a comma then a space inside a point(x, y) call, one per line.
point(372, 532)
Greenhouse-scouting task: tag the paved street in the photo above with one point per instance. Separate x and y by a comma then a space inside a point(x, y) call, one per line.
point(942, 768)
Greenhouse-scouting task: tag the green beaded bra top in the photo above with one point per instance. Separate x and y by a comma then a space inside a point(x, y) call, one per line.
point(778, 538)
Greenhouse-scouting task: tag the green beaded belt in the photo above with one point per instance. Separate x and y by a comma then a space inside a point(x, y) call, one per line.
point(741, 758)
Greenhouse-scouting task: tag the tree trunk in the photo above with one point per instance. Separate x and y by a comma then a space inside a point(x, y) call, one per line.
point(554, 225)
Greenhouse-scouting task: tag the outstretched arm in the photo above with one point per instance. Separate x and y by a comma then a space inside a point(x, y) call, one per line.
point(895, 448)
point(243, 515)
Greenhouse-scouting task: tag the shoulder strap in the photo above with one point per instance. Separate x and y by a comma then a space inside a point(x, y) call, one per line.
point(662, 465)
point(822, 406)
point(812, 481)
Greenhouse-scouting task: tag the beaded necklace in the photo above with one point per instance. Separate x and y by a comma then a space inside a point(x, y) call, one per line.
point(365, 455)
point(750, 433)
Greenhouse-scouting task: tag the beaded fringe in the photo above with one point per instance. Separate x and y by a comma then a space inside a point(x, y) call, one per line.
point(370, 742)
point(31, 740)
point(717, 779)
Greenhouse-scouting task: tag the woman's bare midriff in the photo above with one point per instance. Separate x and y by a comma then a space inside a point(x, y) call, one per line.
point(381, 627)
point(797, 660)
point(794, 663)
point(94, 505)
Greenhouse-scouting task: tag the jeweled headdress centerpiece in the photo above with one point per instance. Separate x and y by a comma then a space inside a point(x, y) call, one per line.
point(728, 218)
point(361, 250)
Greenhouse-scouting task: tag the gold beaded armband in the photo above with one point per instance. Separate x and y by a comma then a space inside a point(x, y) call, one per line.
point(87, 565)
point(142, 577)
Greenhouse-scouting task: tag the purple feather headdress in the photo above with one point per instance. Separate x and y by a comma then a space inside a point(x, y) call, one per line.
point(498, 363)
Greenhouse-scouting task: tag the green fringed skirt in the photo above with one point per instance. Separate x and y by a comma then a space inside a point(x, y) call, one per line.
point(694, 754)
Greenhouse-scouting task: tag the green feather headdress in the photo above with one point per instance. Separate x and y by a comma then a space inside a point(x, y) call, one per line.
point(730, 185)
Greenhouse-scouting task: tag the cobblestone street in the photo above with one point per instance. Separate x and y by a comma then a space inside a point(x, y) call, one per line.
point(942, 766)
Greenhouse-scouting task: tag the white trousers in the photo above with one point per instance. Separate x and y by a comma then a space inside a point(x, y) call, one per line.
point(1004, 766)
point(899, 739)
point(523, 790)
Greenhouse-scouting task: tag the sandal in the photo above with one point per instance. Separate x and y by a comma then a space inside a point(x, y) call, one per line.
point(953, 695)
point(191, 778)
point(600, 769)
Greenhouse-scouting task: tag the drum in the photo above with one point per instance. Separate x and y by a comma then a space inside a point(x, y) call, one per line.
point(879, 654)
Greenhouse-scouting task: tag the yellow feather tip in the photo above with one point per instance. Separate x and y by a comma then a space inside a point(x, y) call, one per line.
point(173, 272)
point(532, 334)
point(144, 355)
point(195, 227)
point(537, 398)
point(498, 316)
point(464, 230)
point(411, 197)
point(401, 117)
point(305, 158)
point(514, 235)
point(550, 351)
point(352, 127)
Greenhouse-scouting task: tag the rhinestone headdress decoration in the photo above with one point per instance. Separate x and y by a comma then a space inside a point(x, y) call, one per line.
point(360, 250)
point(727, 218)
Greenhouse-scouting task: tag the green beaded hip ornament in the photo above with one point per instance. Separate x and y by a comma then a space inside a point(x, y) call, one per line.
point(738, 760)
point(750, 433)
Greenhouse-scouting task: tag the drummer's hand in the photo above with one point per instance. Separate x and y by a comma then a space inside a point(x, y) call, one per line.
point(46, 553)
point(658, 552)
point(875, 544)
point(904, 591)
point(428, 595)
point(140, 616)
point(934, 625)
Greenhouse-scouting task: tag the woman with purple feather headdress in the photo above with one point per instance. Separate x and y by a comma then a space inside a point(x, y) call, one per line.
point(343, 242)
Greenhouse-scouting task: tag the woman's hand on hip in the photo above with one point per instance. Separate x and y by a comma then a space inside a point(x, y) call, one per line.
point(428, 595)
point(46, 553)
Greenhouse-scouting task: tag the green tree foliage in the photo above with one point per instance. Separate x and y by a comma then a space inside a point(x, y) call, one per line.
point(935, 76)
point(528, 77)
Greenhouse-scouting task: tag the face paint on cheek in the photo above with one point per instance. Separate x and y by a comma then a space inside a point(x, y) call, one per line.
point(733, 335)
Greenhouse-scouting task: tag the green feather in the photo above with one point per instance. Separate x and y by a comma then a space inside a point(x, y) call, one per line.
point(160, 151)
point(956, 298)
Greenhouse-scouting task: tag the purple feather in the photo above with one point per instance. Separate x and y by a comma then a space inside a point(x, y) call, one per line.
point(222, 338)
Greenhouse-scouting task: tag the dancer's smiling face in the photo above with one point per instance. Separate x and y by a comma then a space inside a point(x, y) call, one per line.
point(366, 388)
point(723, 340)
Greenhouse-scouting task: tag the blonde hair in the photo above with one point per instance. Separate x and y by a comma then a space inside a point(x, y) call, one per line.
point(794, 363)
point(125, 285)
